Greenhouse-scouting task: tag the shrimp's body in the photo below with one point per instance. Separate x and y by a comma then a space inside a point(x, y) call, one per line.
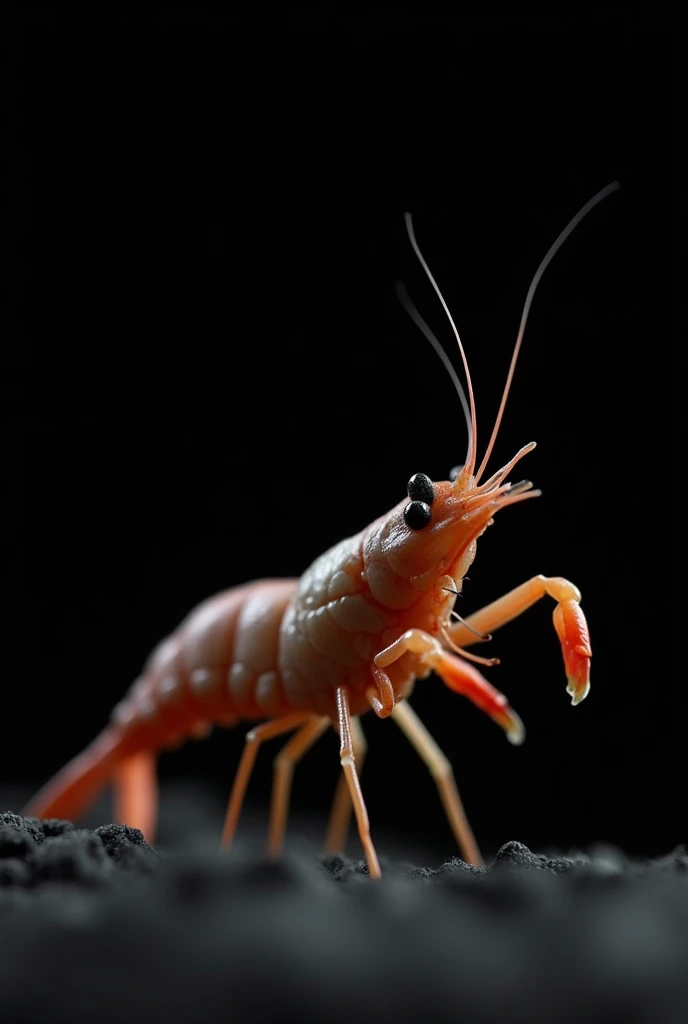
point(364, 622)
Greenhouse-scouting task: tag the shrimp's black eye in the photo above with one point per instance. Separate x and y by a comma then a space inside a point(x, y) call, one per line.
point(417, 515)
point(419, 488)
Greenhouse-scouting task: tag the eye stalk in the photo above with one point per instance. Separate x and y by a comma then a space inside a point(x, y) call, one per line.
point(417, 514)
point(420, 489)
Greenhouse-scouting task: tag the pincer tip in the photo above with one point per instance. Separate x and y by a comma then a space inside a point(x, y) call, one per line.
point(516, 733)
point(512, 725)
point(576, 692)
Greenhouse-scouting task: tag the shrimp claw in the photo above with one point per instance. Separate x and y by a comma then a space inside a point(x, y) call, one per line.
point(462, 678)
point(569, 622)
point(459, 676)
point(572, 630)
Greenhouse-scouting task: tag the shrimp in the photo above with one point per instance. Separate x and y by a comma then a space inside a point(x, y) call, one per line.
point(369, 617)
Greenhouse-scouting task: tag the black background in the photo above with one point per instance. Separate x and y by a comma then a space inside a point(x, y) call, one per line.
point(209, 378)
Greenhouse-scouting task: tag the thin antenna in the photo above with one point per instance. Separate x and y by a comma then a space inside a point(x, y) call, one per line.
point(405, 301)
point(551, 252)
point(473, 439)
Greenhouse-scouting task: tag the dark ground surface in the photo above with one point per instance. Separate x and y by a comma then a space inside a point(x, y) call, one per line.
point(97, 926)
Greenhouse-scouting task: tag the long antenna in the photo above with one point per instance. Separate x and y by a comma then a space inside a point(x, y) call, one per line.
point(420, 323)
point(551, 252)
point(473, 439)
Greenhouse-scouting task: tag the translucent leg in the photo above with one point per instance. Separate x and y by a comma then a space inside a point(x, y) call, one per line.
point(340, 815)
point(346, 757)
point(290, 755)
point(441, 771)
point(253, 740)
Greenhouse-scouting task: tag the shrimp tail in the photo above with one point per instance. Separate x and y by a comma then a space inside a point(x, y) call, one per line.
point(76, 786)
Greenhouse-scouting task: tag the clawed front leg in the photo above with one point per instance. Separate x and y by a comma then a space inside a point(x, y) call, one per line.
point(458, 675)
point(569, 622)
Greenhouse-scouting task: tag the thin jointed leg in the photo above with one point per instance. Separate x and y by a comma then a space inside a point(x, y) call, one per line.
point(441, 771)
point(136, 793)
point(284, 763)
point(340, 815)
point(346, 757)
point(253, 740)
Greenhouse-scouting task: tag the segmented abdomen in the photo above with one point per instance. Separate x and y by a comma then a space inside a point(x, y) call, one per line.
point(220, 665)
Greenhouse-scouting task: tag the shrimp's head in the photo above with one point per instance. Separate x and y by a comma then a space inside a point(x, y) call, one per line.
point(432, 534)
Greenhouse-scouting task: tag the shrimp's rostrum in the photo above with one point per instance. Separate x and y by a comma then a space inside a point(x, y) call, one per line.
point(369, 617)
